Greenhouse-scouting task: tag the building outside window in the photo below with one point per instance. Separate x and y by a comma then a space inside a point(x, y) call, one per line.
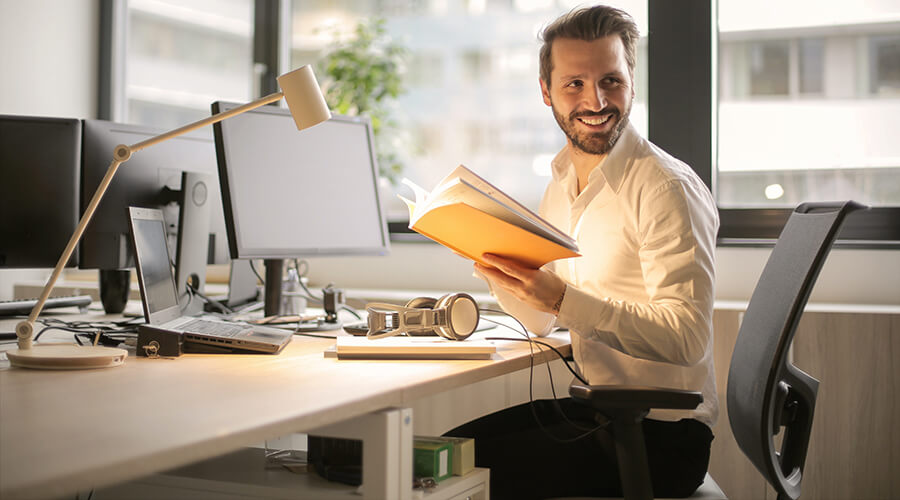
point(808, 109)
point(180, 56)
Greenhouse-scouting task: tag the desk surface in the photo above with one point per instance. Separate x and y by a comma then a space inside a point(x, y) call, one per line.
point(62, 432)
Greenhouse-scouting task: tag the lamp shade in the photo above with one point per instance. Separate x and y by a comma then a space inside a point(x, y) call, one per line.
point(304, 97)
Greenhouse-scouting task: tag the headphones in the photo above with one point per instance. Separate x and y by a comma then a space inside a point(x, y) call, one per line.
point(453, 316)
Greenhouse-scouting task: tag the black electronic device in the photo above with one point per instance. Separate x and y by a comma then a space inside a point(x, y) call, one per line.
point(23, 307)
point(40, 159)
point(153, 178)
point(289, 195)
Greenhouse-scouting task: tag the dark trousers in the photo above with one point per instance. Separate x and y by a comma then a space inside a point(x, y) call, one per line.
point(526, 462)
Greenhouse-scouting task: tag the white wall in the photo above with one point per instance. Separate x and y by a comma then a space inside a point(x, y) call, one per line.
point(49, 67)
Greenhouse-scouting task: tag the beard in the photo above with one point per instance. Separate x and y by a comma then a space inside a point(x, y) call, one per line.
point(595, 143)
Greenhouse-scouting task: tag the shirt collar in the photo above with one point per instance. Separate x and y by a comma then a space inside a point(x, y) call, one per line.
point(613, 167)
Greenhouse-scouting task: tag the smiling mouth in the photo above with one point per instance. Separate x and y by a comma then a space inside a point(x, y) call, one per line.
point(595, 120)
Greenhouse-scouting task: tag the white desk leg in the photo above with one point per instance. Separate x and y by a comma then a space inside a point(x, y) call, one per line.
point(387, 451)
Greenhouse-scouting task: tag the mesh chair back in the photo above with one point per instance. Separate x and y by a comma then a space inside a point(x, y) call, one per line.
point(765, 391)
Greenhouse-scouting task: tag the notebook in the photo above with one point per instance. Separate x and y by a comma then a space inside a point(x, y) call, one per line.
point(160, 298)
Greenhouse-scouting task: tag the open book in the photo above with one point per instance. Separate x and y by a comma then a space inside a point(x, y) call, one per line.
point(472, 217)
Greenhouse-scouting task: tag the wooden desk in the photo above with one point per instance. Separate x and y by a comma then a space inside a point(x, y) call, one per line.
point(63, 432)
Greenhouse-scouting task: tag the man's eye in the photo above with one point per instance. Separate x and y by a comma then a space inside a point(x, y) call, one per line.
point(575, 83)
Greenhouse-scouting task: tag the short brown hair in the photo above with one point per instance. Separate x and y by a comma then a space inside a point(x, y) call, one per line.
point(590, 23)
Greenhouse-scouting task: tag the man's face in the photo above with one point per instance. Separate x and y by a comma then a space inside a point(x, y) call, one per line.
point(590, 91)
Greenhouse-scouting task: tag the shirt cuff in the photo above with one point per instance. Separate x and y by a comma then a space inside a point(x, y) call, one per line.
point(585, 315)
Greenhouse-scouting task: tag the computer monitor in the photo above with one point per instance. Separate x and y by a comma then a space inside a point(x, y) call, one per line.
point(40, 159)
point(152, 178)
point(290, 194)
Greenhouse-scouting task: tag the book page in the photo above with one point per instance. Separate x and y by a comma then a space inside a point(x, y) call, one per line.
point(420, 193)
point(460, 191)
point(462, 185)
point(462, 172)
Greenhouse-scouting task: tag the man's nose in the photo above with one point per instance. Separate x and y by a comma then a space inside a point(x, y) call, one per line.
point(595, 100)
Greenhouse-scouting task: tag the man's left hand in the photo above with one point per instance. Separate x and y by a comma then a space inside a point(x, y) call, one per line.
point(539, 288)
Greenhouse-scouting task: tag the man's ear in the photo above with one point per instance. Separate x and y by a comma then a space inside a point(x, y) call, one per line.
point(545, 92)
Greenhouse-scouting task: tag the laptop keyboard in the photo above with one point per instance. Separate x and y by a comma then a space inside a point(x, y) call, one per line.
point(214, 328)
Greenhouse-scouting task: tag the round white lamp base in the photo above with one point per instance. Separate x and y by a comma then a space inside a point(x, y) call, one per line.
point(66, 357)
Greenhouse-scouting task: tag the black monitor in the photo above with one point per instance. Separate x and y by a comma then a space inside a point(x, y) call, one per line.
point(152, 178)
point(40, 161)
point(289, 193)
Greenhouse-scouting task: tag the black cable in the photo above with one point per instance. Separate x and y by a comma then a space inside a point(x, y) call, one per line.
point(258, 276)
point(561, 356)
point(351, 311)
point(84, 328)
point(531, 342)
point(215, 303)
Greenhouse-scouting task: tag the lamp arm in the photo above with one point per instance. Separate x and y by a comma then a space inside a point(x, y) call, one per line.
point(208, 121)
point(25, 329)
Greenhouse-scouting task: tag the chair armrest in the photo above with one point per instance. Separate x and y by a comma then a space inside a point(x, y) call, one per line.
point(627, 397)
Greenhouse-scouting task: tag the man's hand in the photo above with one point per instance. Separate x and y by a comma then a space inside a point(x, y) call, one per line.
point(538, 288)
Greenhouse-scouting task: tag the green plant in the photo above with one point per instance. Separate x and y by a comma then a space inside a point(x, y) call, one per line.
point(362, 76)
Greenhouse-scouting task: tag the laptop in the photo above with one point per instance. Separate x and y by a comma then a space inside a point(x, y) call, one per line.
point(159, 297)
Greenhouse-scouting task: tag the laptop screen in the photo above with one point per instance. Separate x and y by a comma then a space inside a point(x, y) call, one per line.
point(155, 269)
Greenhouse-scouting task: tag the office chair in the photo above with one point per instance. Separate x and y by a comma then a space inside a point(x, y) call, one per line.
point(765, 391)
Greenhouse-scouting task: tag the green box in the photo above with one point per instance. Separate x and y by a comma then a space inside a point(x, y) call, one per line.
point(432, 458)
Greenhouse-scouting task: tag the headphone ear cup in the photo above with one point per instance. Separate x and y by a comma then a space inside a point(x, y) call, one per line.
point(421, 303)
point(462, 316)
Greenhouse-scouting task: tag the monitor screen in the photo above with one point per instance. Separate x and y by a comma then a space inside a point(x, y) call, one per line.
point(290, 193)
point(40, 159)
point(150, 179)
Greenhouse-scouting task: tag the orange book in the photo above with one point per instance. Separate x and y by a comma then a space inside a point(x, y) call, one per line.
point(472, 217)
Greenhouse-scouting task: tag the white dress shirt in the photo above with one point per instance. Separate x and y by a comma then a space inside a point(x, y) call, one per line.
point(639, 300)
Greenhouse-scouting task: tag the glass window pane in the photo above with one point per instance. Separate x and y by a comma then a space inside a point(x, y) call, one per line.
point(769, 68)
point(885, 61)
point(811, 65)
point(808, 109)
point(184, 54)
point(470, 79)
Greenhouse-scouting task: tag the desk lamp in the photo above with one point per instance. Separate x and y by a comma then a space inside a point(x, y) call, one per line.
point(307, 107)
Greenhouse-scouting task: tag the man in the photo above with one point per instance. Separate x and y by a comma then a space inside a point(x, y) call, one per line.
point(638, 302)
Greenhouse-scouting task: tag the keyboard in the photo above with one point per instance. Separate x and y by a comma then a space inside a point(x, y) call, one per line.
point(213, 328)
point(23, 307)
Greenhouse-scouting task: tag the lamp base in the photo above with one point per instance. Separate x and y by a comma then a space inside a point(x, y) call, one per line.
point(66, 357)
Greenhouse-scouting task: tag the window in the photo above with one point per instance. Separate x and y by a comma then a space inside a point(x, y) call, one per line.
point(811, 65)
point(769, 68)
point(471, 78)
point(885, 65)
point(178, 56)
point(807, 129)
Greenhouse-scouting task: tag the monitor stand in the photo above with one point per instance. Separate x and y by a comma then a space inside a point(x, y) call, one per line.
point(192, 252)
point(333, 300)
point(274, 270)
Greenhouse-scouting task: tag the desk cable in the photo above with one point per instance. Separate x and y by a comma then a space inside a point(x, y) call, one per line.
point(585, 431)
